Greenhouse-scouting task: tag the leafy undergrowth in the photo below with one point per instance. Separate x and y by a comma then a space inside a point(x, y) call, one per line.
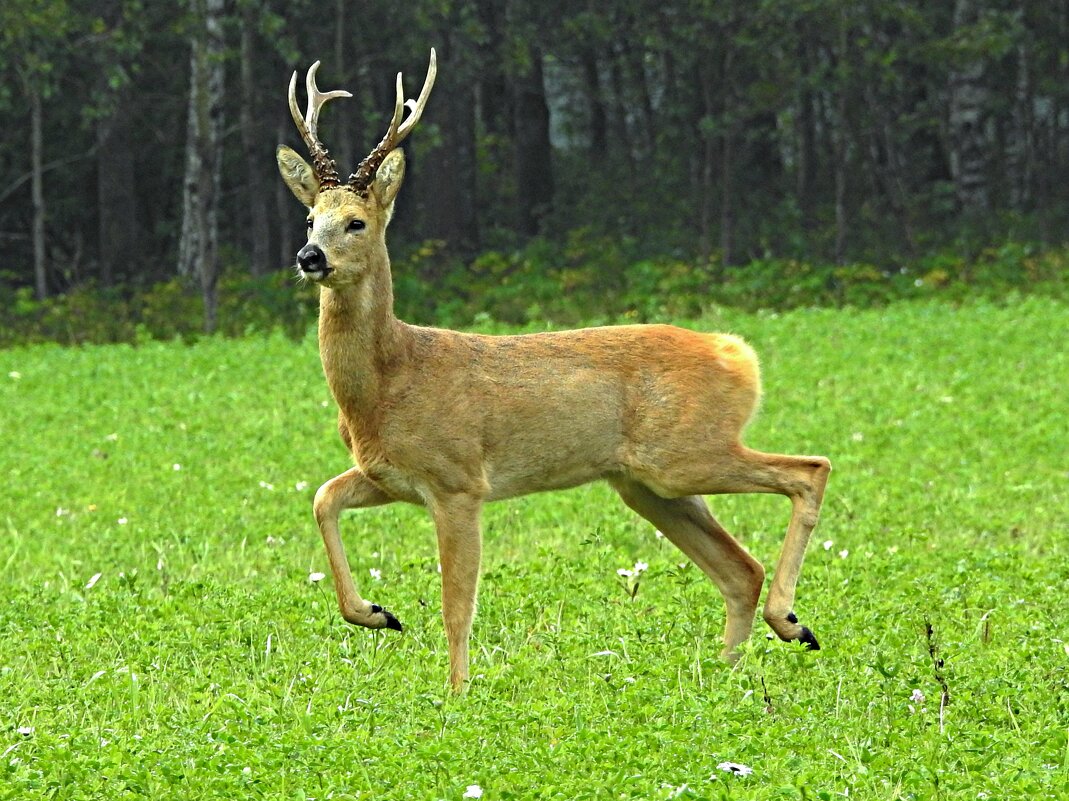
point(161, 638)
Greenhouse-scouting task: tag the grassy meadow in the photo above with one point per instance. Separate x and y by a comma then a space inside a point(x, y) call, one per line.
point(160, 637)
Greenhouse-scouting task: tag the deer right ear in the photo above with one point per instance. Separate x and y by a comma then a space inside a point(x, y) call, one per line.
point(388, 178)
point(298, 175)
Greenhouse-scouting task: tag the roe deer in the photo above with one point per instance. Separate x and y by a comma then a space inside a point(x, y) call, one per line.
point(449, 420)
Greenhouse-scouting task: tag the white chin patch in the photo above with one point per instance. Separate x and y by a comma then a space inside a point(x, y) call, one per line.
point(315, 275)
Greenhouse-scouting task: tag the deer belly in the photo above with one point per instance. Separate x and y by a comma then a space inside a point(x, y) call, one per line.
point(538, 464)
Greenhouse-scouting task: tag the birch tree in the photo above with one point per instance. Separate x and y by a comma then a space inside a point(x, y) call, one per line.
point(198, 249)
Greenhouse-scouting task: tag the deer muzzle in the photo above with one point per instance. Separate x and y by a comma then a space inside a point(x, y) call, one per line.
point(312, 262)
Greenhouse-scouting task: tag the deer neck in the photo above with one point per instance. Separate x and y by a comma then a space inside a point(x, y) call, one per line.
point(360, 339)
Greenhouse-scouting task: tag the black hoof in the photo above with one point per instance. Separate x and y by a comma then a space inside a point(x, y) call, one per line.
point(807, 637)
point(395, 624)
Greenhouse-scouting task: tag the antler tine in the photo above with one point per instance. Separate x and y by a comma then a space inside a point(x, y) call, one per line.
point(360, 180)
point(317, 99)
point(295, 112)
point(421, 101)
point(322, 163)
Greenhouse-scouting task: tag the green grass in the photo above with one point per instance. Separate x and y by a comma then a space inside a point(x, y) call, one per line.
point(203, 663)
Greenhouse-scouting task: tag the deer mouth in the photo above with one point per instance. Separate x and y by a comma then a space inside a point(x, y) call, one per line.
point(316, 274)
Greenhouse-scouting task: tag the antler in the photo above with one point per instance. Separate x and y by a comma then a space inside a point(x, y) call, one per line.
point(360, 180)
point(325, 168)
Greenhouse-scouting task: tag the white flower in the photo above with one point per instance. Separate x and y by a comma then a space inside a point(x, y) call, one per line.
point(736, 768)
point(301, 486)
point(640, 567)
point(828, 544)
point(623, 571)
point(473, 791)
point(659, 535)
point(26, 731)
point(122, 521)
point(844, 553)
point(316, 577)
point(267, 486)
point(61, 512)
point(96, 577)
point(376, 574)
point(14, 375)
point(917, 697)
point(112, 437)
point(176, 466)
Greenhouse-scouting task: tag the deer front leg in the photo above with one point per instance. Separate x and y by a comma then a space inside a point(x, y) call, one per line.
point(456, 518)
point(351, 490)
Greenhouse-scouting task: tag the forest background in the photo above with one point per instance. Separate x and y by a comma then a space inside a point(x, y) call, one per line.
point(578, 161)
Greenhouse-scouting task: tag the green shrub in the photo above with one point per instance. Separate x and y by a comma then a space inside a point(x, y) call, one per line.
point(588, 278)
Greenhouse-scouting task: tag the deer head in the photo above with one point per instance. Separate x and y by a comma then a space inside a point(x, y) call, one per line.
point(346, 222)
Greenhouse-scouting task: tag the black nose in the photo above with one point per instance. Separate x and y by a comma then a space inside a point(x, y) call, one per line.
point(311, 259)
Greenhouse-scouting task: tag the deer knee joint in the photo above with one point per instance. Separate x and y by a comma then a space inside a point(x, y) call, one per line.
point(322, 506)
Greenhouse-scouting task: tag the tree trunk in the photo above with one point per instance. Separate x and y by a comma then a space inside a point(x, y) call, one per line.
point(636, 70)
point(838, 138)
point(189, 239)
point(727, 196)
point(37, 190)
point(840, 60)
point(255, 201)
point(119, 228)
point(534, 162)
point(805, 191)
point(968, 138)
point(727, 154)
point(618, 115)
point(599, 139)
point(199, 245)
point(1023, 147)
point(705, 188)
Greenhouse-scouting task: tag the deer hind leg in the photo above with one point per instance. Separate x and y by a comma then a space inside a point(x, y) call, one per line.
point(802, 479)
point(688, 524)
point(456, 518)
point(351, 490)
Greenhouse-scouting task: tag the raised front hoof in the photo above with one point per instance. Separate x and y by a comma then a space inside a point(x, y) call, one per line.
point(807, 638)
point(794, 632)
point(374, 618)
point(391, 621)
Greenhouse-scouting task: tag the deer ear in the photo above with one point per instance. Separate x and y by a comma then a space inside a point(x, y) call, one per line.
point(388, 178)
point(298, 175)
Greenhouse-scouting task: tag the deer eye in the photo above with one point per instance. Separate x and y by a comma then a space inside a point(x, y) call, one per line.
point(356, 225)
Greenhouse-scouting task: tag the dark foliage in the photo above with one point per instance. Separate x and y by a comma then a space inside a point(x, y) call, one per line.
point(634, 157)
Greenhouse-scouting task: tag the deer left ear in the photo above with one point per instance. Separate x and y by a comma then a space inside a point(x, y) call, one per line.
point(298, 175)
point(388, 178)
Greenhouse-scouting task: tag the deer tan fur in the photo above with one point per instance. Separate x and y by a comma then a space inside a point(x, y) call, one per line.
point(452, 420)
